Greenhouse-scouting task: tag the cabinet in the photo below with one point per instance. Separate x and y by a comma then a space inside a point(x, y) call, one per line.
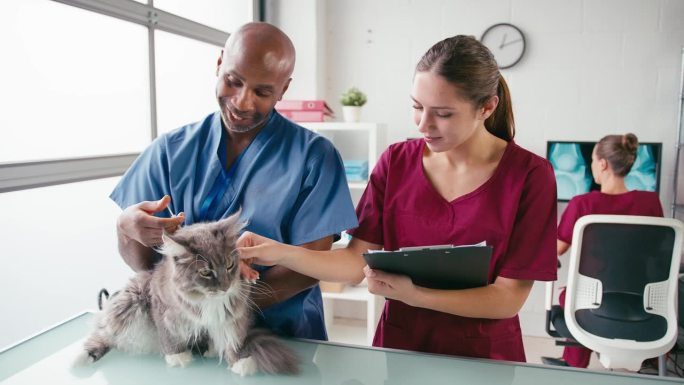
point(354, 141)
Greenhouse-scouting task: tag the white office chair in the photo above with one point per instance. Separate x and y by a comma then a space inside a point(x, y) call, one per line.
point(622, 287)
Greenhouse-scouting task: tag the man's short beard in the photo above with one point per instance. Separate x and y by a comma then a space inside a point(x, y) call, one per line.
point(242, 129)
point(258, 120)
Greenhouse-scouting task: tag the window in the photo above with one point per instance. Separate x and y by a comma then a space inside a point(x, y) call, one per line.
point(67, 93)
point(186, 80)
point(83, 85)
point(225, 15)
point(79, 92)
point(59, 250)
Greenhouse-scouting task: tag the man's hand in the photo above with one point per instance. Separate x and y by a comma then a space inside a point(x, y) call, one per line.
point(138, 223)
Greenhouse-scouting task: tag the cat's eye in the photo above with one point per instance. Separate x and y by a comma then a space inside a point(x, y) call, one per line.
point(205, 272)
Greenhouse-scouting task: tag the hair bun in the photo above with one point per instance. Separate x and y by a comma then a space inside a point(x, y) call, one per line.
point(630, 142)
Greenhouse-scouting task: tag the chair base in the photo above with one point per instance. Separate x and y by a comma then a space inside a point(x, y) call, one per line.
point(554, 361)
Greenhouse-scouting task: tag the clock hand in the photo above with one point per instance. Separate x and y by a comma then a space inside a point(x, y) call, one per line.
point(503, 41)
point(510, 42)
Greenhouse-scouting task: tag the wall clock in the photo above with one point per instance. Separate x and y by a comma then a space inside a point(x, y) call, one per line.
point(507, 43)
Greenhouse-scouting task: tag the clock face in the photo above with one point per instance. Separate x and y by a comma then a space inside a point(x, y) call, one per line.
point(506, 42)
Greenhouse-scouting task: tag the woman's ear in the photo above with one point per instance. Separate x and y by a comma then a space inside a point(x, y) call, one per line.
point(489, 107)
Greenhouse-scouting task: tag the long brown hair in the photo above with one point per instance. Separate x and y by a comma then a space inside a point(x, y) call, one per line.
point(470, 66)
point(619, 150)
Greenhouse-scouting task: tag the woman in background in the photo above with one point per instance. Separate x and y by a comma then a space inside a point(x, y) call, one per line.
point(465, 181)
point(611, 160)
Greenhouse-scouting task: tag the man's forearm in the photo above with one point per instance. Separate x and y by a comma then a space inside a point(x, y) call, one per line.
point(279, 284)
point(136, 255)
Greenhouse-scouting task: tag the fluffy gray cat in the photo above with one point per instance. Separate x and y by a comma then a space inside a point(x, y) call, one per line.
point(194, 299)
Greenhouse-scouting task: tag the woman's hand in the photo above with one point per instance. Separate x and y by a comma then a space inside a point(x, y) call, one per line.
point(260, 250)
point(393, 286)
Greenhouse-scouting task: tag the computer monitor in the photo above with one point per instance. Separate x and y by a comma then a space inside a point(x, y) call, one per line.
point(571, 163)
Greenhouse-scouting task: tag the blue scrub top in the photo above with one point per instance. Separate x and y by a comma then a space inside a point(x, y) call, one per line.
point(289, 182)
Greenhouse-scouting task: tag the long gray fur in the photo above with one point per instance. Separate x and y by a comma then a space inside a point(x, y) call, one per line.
point(194, 299)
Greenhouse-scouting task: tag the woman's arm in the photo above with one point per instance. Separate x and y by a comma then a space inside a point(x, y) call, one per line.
point(502, 299)
point(561, 247)
point(339, 265)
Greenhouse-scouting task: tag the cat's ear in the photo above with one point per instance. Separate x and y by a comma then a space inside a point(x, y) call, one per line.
point(232, 226)
point(171, 247)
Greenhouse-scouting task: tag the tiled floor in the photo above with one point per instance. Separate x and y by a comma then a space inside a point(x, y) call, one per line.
point(537, 347)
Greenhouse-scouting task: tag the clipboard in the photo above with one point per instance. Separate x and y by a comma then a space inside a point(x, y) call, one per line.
point(437, 267)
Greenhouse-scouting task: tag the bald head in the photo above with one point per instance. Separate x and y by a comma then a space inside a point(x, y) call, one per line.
point(264, 45)
point(253, 73)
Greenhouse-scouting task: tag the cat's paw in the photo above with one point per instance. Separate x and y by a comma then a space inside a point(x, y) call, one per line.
point(244, 366)
point(210, 352)
point(82, 359)
point(179, 359)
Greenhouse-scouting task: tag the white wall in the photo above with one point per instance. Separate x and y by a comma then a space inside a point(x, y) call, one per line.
point(592, 68)
point(304, 21)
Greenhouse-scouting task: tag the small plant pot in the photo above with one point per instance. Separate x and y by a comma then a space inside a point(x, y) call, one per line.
point(351, 113)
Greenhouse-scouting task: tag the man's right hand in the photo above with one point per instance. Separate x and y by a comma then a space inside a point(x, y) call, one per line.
point(138, 223)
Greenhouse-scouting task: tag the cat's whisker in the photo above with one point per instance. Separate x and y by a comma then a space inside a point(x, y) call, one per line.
point(263, 286)
point(262, 291)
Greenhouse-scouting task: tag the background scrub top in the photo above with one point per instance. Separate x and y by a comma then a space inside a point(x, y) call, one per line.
point(289, 182)
point(635, 202)
point(514, 211)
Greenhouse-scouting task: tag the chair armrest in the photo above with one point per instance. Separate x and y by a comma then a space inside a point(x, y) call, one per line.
point(548, 295)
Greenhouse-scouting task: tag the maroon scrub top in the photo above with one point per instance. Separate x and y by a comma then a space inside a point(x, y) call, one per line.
point(635, 202)
point(514, 211)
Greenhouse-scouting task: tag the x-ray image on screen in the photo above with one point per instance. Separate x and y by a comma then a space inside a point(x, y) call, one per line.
point(571, 163)
point(573, 173)
point(643, 176)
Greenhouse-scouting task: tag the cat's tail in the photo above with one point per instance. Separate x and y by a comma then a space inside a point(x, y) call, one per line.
point(268, 353)
point(103, 293)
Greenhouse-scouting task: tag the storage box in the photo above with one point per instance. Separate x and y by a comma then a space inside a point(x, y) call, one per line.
point(304, 110)
point(302, 105)
point(331, 287)
point(356, 170)
point(303, 116)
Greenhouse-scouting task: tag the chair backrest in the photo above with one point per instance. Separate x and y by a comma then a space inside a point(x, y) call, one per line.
point(622, 286)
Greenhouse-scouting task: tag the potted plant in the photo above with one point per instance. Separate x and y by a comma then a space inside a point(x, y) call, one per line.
point(352, 100)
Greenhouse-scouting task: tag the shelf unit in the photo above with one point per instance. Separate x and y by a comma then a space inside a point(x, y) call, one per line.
point(360, 293)
point(678, 184)
point(367, 142)
point(367, 134)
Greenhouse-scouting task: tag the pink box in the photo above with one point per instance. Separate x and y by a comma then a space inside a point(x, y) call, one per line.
point(303, 116)
point(302, 105)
